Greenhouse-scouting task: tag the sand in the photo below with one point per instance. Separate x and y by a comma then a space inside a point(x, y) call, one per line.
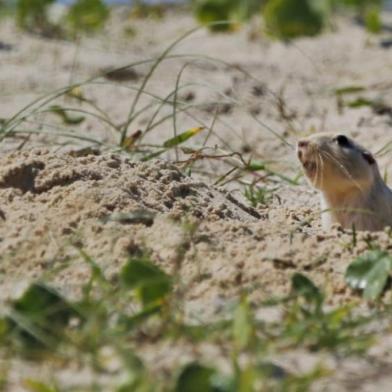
point(54, 202)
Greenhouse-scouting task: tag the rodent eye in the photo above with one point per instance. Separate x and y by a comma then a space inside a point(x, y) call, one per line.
point(343, 141)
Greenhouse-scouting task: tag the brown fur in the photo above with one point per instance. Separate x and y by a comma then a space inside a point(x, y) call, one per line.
point(347, 176)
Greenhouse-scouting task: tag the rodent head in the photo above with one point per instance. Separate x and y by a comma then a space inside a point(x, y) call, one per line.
point(335, 163)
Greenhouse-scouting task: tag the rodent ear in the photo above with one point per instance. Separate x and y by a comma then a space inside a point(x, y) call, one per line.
point(369, 157)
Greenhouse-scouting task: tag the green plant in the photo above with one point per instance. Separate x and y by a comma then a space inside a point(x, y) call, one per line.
point(288, 19)
point(114, 318)
point(258, 195)
point(373, 20)
point(150, 283)
point(32, 14)
point(223, 15)
point(370, 273)
point(88, 15)
point(195, 377)
point(368, 12)
point(308, 324)
point(142, 9)
point(360, 5)
point(38, 318)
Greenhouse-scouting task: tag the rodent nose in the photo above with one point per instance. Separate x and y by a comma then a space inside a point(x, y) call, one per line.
point(303, 143)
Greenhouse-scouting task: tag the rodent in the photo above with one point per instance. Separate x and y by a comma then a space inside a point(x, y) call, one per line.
point(352, 190)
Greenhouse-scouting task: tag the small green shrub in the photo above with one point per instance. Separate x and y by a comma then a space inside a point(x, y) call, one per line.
point(368, 12)
point(373, 20)
point(83, 15)
point(209, 12)
point(258, 195)
point(288, 19)
point(32, 14)
point(88, 15)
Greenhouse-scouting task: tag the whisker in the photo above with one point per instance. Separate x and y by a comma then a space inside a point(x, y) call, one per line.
point(344, 170)
point(322, 169)
point(317, 174)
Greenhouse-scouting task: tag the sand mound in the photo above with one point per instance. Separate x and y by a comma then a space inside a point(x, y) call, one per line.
point(53, 205)
point(109, 183)
point(50, 202)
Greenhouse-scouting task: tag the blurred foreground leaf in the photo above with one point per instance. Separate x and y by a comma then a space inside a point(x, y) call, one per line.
point(151, 283)
point(303, 286)
point(370, 273)
point(37, 386)
point(309, 324)
point(196, 378)
point(39, 316)
point(242, 325)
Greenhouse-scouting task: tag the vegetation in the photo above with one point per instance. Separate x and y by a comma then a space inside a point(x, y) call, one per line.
point(114, 319)
point(283, 19)
point(32, 14)
point(88, 15)
point(83, 15)
point(223, 15)
point(286, 19)
point(289, 19)
point(370, 273)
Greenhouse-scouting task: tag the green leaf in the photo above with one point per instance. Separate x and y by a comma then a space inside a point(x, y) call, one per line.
point(151, 283)
point(370, 273)
point(359, 102)
point(65, 116)
point(208, 12)
point(211, 12)
point(182, 137)
point(195, 378)
point(255, 166)
point(288, 19)
point(373, 20)
point(88, 15)
point(32, 13)
point(242, 325)
point(37, 386)
point(97, 275)
point(38, 317)
point(349, 90)
point(138, 318)
point(152, 155)
point(4, 330)
point(304, 287)
point(42, 302)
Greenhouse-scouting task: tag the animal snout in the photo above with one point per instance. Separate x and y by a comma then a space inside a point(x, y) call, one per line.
point(303, 143)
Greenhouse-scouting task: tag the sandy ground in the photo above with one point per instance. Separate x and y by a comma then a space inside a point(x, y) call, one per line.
point(53, 202)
